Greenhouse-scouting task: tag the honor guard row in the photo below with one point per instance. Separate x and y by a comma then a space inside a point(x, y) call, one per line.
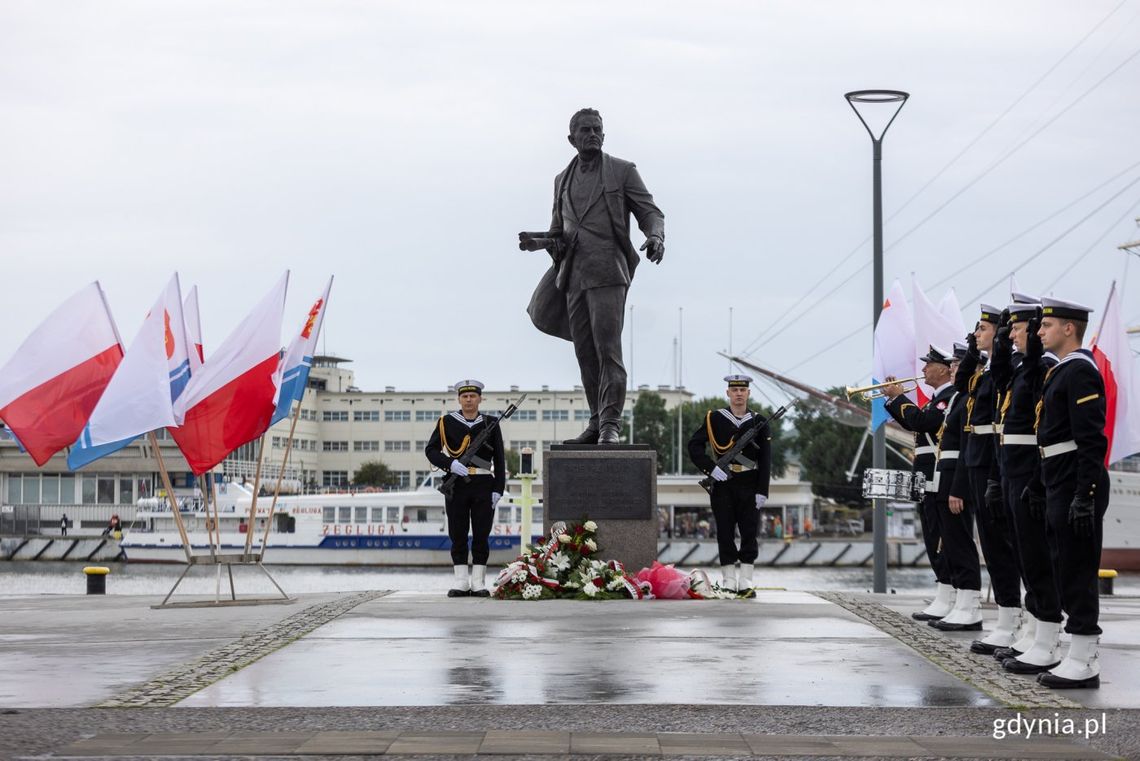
point(1016, 446)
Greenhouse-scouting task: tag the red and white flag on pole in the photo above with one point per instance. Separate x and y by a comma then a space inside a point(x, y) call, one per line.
point(53, 382)
point(1121, 389)
point(193, 330)
point(231, 399)
point(893, 348)
point(931, 328)
point(951, 311)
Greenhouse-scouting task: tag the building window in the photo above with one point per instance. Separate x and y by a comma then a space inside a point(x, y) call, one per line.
point(546, 445)
point(421, 476)
point(126, 491)
point(88, 490)
point(523, 415)
point(105, 490)
point(556, 414)
point(518, 446)
point(421, 445)
point(403, 478)
point(334, 477)
point(366, 416)
point(397, 446)
point(49, 490)
point(276, 442)
point(582, 414)
point(366, 446)
point(67, 489)
point(336, 416)
point(14, 495)
point(308, 414)
point(335, 446)
point(428, 416)
point(397, 416)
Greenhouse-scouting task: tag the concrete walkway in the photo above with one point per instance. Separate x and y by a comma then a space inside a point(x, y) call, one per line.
point(788, 675)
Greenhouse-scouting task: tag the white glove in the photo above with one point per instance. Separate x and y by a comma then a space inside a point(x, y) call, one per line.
point(718, 474)
point(458, 468)
point(760, 500)
point(495, 497)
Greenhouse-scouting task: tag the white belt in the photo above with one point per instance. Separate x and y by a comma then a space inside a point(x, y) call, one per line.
point(474, 471)
point(925, 450)
point(986, 430)
point(948, 454)
point(1019, 439)
point(1055, 449)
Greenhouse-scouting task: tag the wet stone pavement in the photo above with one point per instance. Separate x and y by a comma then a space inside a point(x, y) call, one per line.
point(411, 674)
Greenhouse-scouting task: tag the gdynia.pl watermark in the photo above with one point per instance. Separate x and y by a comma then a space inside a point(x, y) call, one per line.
point(1021, 726)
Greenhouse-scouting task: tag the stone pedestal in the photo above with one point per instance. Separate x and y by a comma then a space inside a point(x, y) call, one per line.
point(613, 485)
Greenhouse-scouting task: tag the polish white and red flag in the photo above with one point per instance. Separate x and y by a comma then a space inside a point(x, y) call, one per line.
point(231, 399)
point(931, 328)
point(951, 311)
point(893, 348)
point(1117, 367)
point(193, 330)
point(53, 382)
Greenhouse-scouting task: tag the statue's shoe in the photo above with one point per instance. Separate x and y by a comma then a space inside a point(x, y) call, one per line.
point(588, 436)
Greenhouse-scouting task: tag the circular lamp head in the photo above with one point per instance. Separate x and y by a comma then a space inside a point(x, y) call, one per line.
point(866, 98)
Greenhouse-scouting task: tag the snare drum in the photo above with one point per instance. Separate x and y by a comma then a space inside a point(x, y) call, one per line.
point(880, 483)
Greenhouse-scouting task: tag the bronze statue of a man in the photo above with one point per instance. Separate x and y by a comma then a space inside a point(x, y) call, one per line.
point(582, 297)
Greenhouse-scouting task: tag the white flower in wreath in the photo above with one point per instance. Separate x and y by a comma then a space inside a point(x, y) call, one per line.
point(590, 526)
point(590, 590)
point(571, 584)
point(592, 545)
point(519, 577)
point(560, 561)
point(532, 592)
point(598, 565)
point(564, 538)
point(615, 585)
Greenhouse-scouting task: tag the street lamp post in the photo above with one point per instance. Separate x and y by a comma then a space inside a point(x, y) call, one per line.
point(896, 99)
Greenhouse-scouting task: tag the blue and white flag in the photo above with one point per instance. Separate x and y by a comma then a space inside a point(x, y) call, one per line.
point(298, 359)
point(140, 397)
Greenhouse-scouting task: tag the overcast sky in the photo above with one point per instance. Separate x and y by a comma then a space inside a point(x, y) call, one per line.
point(401, 147)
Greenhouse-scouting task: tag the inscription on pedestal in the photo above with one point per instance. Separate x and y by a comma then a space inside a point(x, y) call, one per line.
point(615, 486)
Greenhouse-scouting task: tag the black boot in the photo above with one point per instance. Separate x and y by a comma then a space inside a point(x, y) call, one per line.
point(588, 436)
point(610, 433)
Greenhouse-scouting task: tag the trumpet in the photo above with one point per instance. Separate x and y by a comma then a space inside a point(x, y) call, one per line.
point(875, 391)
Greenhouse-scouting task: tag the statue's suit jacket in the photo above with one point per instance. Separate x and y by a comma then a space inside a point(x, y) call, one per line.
point(624, 193)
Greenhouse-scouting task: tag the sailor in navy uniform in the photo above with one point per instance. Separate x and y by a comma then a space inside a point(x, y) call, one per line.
point(958, 548)
point(977, 487)
point(736, 497)
point(472, 504)
point(1073, 483)
point(926, 422)
point(1036, 648)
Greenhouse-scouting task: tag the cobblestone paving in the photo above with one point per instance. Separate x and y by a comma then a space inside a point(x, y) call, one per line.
point(981, 671)
point(176, 684)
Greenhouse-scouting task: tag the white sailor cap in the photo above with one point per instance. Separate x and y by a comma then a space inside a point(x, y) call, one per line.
point(1022, 311)
point(937, 355)
point(960, 350)
point(1066, 310)
point(990, 314)
point(1023, 298)
point(463, 386)
point(738, 380)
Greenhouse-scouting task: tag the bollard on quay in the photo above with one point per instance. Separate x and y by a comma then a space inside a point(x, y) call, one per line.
point(96, 579)
point(1105, 577)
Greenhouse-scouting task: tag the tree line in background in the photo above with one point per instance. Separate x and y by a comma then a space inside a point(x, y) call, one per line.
point(811, 436)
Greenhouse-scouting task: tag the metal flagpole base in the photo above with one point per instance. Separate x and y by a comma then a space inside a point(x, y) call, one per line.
point(229, 561)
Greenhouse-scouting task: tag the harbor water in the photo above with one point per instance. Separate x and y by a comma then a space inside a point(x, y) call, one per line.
point(38, 578)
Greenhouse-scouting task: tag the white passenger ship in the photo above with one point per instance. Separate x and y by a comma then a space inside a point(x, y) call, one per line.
point(380, 528)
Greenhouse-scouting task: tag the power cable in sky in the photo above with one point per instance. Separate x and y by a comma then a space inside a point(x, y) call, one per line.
point(1036, 83)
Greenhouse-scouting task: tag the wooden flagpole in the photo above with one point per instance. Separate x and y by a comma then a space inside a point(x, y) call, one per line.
point(277, 488)
point(166, 484)
point(256, 489)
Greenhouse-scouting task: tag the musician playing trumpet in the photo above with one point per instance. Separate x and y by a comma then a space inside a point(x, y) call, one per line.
point(925, 422)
